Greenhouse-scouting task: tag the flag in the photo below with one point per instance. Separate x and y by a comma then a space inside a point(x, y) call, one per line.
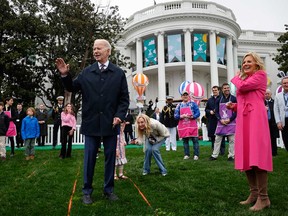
point(220, 45)
point(174, 48)
point(150, 52)
point(200, 47)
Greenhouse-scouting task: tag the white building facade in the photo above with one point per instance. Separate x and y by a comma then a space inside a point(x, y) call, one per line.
point(191, 41)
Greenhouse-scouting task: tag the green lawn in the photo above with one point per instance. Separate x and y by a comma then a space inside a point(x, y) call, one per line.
point(45, 186)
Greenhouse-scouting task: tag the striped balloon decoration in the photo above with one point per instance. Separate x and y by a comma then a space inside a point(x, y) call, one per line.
point(196, 91)
point(140, 81)
point(183, 86)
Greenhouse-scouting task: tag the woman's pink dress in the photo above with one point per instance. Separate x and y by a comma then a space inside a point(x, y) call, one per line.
point(252, 137)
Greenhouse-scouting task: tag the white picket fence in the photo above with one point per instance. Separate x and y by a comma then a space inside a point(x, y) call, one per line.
point(78, 138)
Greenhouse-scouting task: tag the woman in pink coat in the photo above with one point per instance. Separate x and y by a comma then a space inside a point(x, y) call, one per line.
point(252, 139)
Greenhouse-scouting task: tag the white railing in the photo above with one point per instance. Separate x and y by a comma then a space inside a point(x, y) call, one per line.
point(78, 138)
point(181, 7)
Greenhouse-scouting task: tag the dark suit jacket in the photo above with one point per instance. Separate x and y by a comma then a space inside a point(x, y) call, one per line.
point(56, 114)
point(104, 96)
point(42, 116)
point(128, 127)
point(212, 119)
point(18, 119)
point(274, 132)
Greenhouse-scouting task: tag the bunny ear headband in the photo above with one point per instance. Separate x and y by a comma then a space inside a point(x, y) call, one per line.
point(282, 75)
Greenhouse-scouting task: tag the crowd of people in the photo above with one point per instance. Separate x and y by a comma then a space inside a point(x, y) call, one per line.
point(250, 121)
point(29, 127)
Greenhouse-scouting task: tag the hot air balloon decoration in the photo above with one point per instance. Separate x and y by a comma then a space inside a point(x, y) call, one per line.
point(140, 81)
point(196, 92)
point(183, 86)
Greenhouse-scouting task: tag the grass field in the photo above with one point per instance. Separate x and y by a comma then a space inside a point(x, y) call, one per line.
point(51, 186)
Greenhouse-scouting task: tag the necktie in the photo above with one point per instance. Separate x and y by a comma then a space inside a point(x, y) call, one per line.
point(102, 67)
point(269, 113)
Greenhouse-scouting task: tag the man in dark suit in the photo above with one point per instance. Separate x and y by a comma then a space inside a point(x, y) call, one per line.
point(128, 130)
point(274, 132)
point(212, 119)
point(56, 115)
point(20, 114)
point(42, 117)
point(105, 101)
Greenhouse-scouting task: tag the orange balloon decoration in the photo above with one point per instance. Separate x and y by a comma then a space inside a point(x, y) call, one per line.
point(140, 81)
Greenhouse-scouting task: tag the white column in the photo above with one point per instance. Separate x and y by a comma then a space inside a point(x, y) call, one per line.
point(139, 60)
point(235, 56)
point(229, 55)
point(213, 59)
point(188, 55)
point(161, 70)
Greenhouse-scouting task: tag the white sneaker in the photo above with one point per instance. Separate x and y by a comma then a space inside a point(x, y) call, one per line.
point(196, 157)
point(186, 157)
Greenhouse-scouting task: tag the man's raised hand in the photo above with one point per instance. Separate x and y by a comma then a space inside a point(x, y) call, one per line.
point(62, 67)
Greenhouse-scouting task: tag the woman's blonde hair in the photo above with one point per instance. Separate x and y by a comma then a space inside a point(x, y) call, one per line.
point(258, 60)
point(147, 129)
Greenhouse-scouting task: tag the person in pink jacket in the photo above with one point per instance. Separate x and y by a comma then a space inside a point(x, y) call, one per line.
point(252, 138)
point(68, 124)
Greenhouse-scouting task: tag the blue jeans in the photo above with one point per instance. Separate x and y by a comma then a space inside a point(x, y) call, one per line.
point(195, 145)
point(153, 150)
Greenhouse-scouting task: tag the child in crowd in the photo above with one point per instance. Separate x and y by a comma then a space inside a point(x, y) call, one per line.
point(68, 123)
point(30, 131)
point(120, 154)
point(4, 125)
point(187, 112)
